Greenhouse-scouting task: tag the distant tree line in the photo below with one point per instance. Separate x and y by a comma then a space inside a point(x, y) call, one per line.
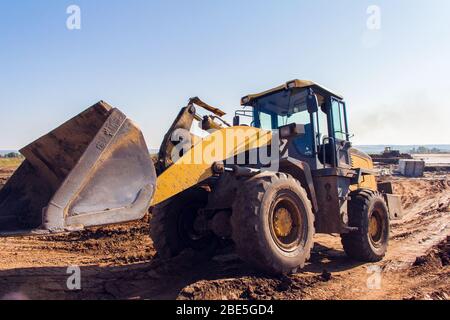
point(425, 150)
point(11, 155)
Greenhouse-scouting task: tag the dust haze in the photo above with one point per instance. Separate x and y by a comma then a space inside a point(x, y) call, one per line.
point(413, 120)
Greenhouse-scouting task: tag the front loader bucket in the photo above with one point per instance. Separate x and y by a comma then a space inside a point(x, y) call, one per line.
point(93, 170)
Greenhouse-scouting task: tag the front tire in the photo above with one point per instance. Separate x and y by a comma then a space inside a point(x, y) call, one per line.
point(172, 225)
point(273, 223)
point(368, 213)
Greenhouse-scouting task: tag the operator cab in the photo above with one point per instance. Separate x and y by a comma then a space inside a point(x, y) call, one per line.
point(324, 138)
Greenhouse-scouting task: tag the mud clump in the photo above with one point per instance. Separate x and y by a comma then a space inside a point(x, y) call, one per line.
point(413, 191)
point(246, 288)
point(432, 274)
point(437, 258)
point(119, 244)
point(254, 288)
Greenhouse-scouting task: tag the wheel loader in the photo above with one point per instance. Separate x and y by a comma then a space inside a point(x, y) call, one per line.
point(283, 171)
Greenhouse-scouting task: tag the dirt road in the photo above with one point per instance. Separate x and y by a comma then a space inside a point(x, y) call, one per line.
point(118, 262)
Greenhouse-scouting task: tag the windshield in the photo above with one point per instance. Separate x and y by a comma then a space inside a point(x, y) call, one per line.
point(282, 108)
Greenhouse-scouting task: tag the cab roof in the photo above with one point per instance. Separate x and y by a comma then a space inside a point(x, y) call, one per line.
point(321, 91)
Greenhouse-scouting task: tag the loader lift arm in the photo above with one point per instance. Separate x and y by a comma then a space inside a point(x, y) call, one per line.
point(181, 126)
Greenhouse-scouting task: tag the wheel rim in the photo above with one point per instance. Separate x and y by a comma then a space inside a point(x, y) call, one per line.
point(283, 222)
point(287, 223)
point(376, 228)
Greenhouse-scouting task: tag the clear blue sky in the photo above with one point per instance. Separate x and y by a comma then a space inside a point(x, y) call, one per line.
point(148, 57)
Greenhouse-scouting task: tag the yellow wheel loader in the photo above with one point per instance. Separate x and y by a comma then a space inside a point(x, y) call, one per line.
point(265, 187)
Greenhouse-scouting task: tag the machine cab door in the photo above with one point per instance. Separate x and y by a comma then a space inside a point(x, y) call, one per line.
point(340, 132)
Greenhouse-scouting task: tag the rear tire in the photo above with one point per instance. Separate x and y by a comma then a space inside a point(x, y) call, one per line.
point(273, 223)
point(369, 213)
point(172, 225)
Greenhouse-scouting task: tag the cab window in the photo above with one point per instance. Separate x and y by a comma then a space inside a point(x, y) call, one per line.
point(321, 126)
point(266, 120)
point(339, 121)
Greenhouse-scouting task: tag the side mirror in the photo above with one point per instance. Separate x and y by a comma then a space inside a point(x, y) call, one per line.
point(312, 103)
point(236, 121)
